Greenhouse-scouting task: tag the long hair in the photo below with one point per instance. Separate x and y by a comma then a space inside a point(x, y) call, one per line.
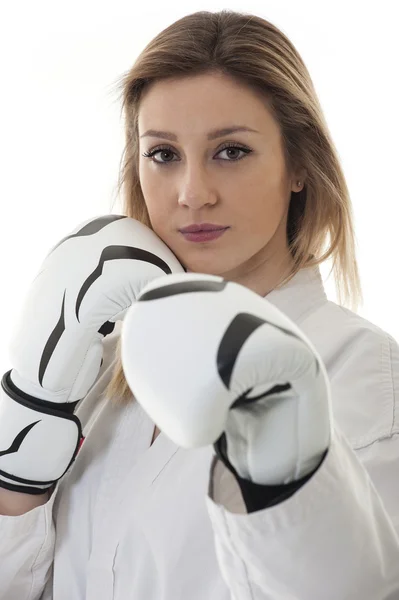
point(256, 54)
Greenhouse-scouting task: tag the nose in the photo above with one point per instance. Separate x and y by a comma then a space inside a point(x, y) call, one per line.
point(196, 191)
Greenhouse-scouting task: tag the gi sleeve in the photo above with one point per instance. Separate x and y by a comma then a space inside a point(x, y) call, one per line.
point(26, 552)
point(337, 534)
point(332, 538)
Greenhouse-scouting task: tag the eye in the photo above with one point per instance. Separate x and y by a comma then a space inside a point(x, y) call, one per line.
point(167, 149)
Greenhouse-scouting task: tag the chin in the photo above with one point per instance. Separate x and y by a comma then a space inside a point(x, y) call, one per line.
point(209, 267)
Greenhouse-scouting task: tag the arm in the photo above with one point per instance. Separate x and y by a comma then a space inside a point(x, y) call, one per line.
point(256, 388)
point(342, 527)
point(14, 503)
point(85, 284)
point(27, 535)
point(332, 539)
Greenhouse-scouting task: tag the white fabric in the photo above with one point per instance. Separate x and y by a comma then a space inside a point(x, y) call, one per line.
point(134, 522)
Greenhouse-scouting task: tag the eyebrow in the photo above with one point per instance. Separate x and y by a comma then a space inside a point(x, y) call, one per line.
point(212, 135)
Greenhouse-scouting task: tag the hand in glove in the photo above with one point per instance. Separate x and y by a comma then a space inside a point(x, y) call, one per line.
point(86, 283)
point(212, 362)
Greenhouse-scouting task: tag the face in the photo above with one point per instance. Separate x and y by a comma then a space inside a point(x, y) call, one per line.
point(237, 180)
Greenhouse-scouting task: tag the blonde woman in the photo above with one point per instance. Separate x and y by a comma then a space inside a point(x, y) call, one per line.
point(187, 415)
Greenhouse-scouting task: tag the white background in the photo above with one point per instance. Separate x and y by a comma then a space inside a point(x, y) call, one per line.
point(62, 132)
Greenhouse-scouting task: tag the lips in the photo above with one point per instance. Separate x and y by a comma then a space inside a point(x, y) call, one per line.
point(195, 228)
point(205, 236)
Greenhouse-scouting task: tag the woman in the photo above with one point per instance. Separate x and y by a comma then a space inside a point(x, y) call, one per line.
point(130, 518)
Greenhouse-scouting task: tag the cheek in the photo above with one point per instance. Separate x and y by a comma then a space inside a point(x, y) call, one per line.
point(159, 213)
point(155, 204)
point(256, 194)
point(259, 209)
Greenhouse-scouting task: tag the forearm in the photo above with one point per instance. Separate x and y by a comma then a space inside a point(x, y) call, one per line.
point(336, 527)
point(14, 503)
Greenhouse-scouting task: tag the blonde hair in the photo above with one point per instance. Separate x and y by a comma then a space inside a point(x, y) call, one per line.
point(255, 53)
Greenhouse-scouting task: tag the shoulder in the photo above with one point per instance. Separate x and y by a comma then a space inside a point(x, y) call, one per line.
point(362, 361)
point(340, 326)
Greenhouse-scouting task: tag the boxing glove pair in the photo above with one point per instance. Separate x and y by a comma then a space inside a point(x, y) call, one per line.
point(232, 370)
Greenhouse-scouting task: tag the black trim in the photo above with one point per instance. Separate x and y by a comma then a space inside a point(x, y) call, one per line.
point(235, 336)
point(24, 489)
point(19, 438)
point(243, 400)
point(107, 328)
point(117, 253)
point(45, 407)
point(92, 227)
point(33, 481)
point(23, 480)
point(64, 409)
point(183, 287)
point(52, 342)
point(257, 496)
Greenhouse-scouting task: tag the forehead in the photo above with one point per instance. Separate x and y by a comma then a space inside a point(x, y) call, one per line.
point(201, 103)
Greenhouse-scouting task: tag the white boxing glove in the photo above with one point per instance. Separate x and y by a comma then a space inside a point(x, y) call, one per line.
point(232, 370)
point(86, 283)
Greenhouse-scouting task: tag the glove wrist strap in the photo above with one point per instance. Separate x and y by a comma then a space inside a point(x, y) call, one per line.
point(39, 440)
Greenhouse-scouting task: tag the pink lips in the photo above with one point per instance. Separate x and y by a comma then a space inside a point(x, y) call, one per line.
point(203, 232)
point(204, 236)
point(201, 227)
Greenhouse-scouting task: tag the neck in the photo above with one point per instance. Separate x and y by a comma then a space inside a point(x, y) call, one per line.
point(262, 274)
